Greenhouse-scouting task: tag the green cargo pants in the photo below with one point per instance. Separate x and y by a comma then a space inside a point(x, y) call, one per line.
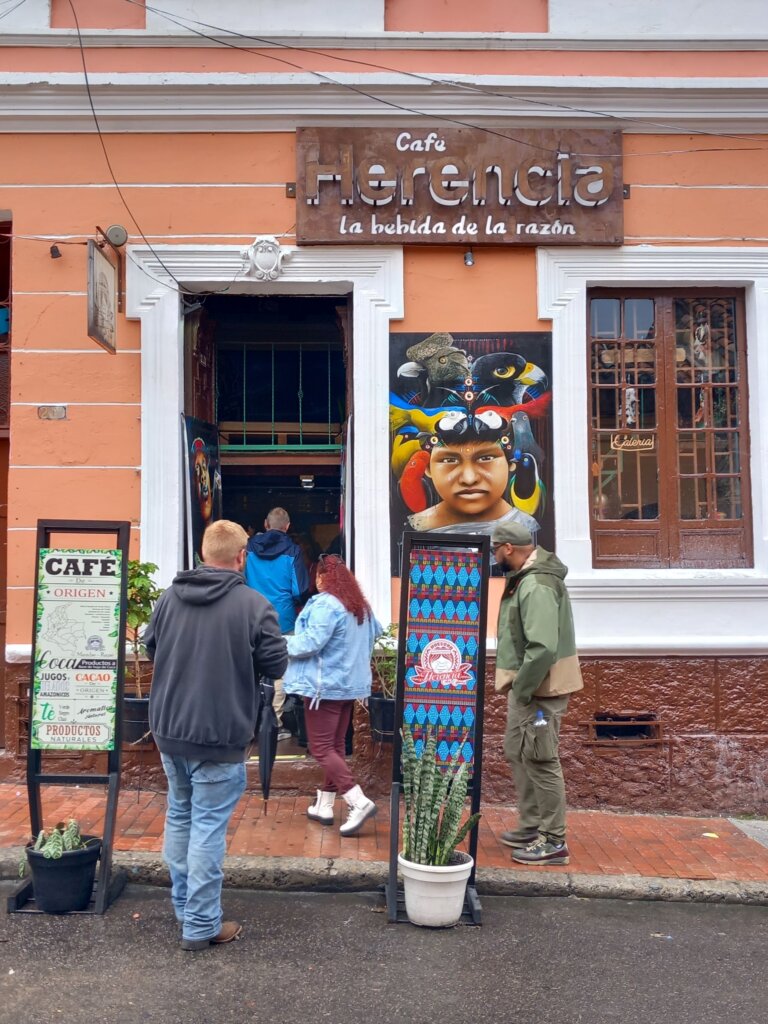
point(533, 753)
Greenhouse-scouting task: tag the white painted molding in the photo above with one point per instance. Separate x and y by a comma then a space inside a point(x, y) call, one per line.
point(18, 654)
point(94, 38)
point(651, 18)
point(652, 610)
point(373, 277)
point(33, 16)
point(57, 102)
point(244, 16)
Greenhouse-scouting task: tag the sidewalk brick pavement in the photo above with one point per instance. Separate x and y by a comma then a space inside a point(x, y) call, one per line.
point(601, 843)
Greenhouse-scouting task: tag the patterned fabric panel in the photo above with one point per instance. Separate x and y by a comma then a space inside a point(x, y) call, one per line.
point(442, 645)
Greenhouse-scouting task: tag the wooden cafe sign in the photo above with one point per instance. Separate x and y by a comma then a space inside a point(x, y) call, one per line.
point(434, 186)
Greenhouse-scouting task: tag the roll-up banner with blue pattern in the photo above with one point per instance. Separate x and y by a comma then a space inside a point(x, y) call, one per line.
point(442, 639)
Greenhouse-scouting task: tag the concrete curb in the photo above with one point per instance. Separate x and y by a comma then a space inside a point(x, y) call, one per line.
point(502, 882)
point(305, 874)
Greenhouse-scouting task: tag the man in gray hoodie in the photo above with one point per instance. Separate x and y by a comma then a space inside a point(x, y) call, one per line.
point(210, 638)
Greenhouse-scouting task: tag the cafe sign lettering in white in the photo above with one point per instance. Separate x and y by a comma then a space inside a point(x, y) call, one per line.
point(77, 619)
point(458, 186)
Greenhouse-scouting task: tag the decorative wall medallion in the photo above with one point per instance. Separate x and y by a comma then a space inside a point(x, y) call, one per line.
point(266, 258)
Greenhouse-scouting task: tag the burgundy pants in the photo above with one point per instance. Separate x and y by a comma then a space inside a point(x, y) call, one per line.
point(327, 727)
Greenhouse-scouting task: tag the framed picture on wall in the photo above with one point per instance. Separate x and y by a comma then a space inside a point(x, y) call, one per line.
point(203, 483)
point(102, 297)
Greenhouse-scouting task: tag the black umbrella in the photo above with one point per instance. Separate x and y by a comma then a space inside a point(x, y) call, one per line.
point(266, 735)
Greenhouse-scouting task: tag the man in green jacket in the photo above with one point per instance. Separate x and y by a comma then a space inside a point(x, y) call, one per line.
point(537, 666)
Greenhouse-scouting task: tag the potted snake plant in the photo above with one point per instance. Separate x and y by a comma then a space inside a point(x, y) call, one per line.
point(434, 871)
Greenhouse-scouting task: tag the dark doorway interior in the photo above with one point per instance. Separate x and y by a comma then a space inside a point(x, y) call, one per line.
point(281, 406)
point(250, 492)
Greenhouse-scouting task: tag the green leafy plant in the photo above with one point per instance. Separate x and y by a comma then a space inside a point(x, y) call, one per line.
point(434, 802)
point(384, 662)
point(54, 842)
point(142, 594)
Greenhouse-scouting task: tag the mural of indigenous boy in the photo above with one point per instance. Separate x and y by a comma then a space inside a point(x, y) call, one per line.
point(470, 424)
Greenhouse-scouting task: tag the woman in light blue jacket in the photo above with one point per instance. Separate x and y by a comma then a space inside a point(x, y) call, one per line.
point(330, 667)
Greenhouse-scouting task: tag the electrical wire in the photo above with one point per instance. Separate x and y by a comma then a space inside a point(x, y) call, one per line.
point(179, 287)
point(16, 6)
point(183, 22)
point(186, 23)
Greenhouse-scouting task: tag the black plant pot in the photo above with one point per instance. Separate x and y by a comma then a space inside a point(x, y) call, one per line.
point(136, 720)
point(381, 711)
point(63, 884)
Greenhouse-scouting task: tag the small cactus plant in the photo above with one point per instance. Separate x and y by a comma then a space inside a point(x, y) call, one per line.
point(434, 803)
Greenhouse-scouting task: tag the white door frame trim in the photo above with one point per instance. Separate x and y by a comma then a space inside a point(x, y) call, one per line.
point(374, 279)
point(647, 611)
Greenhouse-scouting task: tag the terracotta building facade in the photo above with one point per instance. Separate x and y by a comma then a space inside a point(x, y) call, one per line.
point(311, 216)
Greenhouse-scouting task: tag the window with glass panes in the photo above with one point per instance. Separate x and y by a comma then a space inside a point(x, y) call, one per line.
point(669, 466)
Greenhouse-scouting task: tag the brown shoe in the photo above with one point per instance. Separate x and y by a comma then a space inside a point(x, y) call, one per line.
point(230, 930)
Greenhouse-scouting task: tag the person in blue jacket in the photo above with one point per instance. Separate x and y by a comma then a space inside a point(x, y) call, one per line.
point(330, 667)
point(275, 567)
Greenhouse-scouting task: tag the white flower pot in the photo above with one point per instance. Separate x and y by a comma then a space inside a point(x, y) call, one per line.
point(434, 896)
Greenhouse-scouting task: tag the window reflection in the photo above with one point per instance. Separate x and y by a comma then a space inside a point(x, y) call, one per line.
point(639, 319)
point(605, 315)
point(708, 400)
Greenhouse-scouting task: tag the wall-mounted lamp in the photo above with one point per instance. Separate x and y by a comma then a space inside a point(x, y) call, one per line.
point(116, 235)
point(55, 252)
point(469, 259)
point(307, 482)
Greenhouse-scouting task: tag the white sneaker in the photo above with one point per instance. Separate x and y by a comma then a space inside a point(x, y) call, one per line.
point(322, 809)
point(283, 734)
point(360, 810)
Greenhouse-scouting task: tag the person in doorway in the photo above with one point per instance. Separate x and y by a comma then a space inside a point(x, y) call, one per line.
point(210, 639)
point(275, 567)
point(538, 667)
point(330, 667)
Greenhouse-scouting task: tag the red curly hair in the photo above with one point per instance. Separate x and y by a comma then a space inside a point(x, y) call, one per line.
point(339, 581)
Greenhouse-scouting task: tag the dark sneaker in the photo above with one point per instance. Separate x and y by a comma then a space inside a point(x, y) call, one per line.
point(543, 851)
point(519, 838)
point(230, 930)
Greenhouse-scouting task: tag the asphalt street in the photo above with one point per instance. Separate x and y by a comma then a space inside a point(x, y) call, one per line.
point(334, 958)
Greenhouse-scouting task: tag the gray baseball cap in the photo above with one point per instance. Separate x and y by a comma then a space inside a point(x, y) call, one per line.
point(516, 534)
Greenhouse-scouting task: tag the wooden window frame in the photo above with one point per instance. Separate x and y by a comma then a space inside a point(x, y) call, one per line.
point(671, 541)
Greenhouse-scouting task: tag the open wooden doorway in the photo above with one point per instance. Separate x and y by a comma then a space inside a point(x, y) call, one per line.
point(272, 373)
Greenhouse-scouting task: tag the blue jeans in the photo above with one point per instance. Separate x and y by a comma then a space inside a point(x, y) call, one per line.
point(201, 798)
